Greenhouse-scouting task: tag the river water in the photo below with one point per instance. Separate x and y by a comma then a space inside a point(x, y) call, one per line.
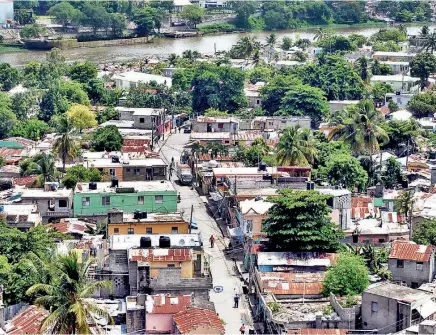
point(163, 46)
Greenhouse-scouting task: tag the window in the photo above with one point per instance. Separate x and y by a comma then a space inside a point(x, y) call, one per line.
point(116, 230)
point(381, 240)
point(130, 231)
point(400, 263)
point(149, 230)
point(140, 200)
point(419, 266)
point(174, 230)
point(85, 201)
point(158, 199)
point(414, 285)
point(128, 170)
point(220, 125)
point(112, 172)
point(257, 102)
point(105, 201)
point(374, 307)
point(62, 203)
point(171, 265)
point(141, 120)
point(136, 171)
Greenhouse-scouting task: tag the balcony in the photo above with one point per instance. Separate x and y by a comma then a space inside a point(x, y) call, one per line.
point(54, 214)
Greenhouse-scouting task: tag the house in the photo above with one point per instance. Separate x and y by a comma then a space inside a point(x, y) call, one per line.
point(215, 125)
point(336, 105)
point(212, 3)
point(400, 98)
point(13, 149)
point(373, 231)
point(144, 169)
point(74, 227)
point(278, 123)
point(253, 98)
point(205, 137)
point(390, 56)
point(399, 82)
point(251, 215)
point(340, 203)
point(22, 217)
point(391, 308)
point(198, 321)
point(398, 67)
point(96, 199)
point(294, 261)
point(52, 203)
point(412, 263)
point(132, 79)
point(10, 171)
point(27, 321)
point(169, 71)
point(148, 223)
point(177, 240)
point(148, 118)
point(110, 166)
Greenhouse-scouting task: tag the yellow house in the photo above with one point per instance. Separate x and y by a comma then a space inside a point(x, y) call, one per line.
point(155, 223)
point(158, 259)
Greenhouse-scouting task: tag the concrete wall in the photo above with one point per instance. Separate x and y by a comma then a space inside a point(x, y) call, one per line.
point(159, 323)
point(135, 321)
point(142, 173)
point(348, 315)
point(128, 202)
point(187, 268)
point(141, 228)
point(201, 127)
point(149, 121)
point(410, 274)
point(204, 329)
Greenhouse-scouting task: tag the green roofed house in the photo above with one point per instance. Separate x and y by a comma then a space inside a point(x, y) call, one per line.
point(93, 200)
point(11, 145)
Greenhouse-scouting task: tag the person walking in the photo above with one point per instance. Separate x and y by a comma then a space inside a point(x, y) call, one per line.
point(236, 300)
point(242, 329)
point(212, 241)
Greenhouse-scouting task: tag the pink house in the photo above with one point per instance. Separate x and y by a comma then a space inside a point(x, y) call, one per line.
point(160, 310)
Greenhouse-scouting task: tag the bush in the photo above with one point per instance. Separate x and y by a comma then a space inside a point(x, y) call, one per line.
point(219, 28)
point(89, 38)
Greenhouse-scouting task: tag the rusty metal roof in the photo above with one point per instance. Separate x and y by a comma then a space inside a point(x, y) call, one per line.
point(28, 321)
point(170, 304)
point(287, 283)
point(411, 251)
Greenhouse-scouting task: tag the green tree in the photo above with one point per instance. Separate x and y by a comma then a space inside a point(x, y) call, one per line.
point(107, 139)
point(244, 48)
point(81, 117)
point(299, 221)
point(425, 232)
point(144, 19)
point(32, 129)
point(379, 91)
point(271, 40)
point(117, 24)
point(275, 90)
point(332, 44)
point(422, 105)
point(404, 205)
point(66, 297)
point(286, 43)
point(402, 136)
point(321, 33)
point(243, 10)
point(215, 113)
point(422, 66)
point(295, 147)
point(64, 145)
point(430, 43)
point(80, 174)
point(83, 72)
point(23, 104)
point(345, 171)
point(363, 68)
point(64, 13)
point(95, 16)
point(304, 100)
point(32, 31)
point(349, 276)
point(109, 113)
point(348, 12)
point(7, 117)
point(260, 73)
point(9, 77)
point(42, 165)
point(193, 13)
point(392, 174)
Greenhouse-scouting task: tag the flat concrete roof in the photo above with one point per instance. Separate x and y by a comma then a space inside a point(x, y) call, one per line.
point(138, 186)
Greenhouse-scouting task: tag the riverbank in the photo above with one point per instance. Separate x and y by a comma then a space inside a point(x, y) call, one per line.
point(4, 48)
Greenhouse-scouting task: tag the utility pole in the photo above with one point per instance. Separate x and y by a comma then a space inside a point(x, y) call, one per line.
point(190, 220)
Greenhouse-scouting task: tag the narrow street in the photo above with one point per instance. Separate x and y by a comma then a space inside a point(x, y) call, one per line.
point(223, 270)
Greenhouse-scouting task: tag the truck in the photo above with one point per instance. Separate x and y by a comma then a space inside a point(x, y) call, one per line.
point(184, 174)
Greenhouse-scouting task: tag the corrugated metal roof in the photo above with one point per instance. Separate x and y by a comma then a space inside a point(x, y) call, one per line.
point(411, 251)
point(288, 283)
point(193, 318)
point(28, 321)
point(160, 255)
point(170, 304)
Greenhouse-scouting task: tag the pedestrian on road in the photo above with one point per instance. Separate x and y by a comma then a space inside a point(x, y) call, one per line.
point(212, 241)
point(236, 300)
point(242, 329)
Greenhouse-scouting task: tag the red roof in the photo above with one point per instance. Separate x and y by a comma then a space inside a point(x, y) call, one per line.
point(160, 255)
point(28, 321)
point(25, 181)
point(170, 304)
point(193, 318)
point(67, 226)
point(411, 251)
point(292, 283)
point(207, 157)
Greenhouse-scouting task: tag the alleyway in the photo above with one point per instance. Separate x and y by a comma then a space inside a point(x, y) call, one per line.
point(223, 271)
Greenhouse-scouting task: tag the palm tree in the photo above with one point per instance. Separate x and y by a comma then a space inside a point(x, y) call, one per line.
point(402, 28)
point(320, 34)
point(261, 146)
point(66, 297)
point(361, 129)
point(430, 43)
point(363, 68)
point(404, 205)
point(246, 46)
point(271, 40)
point(172, 59)
point(41, 165)
point(425, 31)
point(64, 145)
point(295, 147)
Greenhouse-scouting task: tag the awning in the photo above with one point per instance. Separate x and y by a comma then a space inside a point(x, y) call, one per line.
point(427, 309)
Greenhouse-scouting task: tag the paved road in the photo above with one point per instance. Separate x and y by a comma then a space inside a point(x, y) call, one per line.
point(223, 271)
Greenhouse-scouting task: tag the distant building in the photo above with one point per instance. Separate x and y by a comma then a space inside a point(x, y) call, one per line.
point(22, 217)
point(392, 56)
point(399, 83)
point(295, 261)
point(132, 79)
point(276, 123)
point(398, 67)
point(390, 308)
point(6, 11)
point(215, 125)
point(412, 263)
point(336, 105)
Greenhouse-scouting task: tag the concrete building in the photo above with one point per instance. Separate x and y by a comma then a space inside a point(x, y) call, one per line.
point(144, 169)
point(411, 263)
point(277, 123)
point(148, 118)
point(22, 217)
point(52, 203)
point(390, 308)
point(398, 67)
point(400, 83)
point(401, 99)
point(96, 199)
point(294, 261)
point(6, 11)
point(340, 203)
point(125, 242)
point(336, 105)
point(215, 125)
point(253, 98)
point(392, 56)
point(251, 215)
point(155, 223)
point(132, 79)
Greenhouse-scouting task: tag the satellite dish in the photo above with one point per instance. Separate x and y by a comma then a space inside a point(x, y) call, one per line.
point(182, 242)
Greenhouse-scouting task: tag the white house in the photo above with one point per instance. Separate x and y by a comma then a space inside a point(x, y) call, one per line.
point(398, 67)
point(336, 105)
point(401, 99)
point(384, 56)
point(399, 83)
point(132, 79)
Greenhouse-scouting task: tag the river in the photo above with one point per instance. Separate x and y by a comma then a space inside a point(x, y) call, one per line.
point(163, 46)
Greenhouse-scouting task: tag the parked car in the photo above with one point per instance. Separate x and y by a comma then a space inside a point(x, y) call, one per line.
point(187, 130)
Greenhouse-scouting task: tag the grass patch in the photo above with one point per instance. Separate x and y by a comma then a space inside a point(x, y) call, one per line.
point(11, 48)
